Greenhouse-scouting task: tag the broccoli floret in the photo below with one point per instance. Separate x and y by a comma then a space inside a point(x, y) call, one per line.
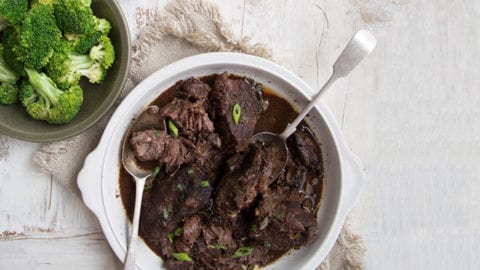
point(95, 73)
point(38, 36)
point(12, 12)
point(66, 68)
point(8, 79)
point(8, 93)
point(102, 25)
point(83, 43)
point(103, 53)
point(74, 17)
point(27, 95)
point(43, 100)
point(10, 42)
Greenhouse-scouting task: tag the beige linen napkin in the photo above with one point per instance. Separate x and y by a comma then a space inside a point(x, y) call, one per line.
point(183, 28)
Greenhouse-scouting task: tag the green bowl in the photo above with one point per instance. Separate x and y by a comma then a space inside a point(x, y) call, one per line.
point(98, 98)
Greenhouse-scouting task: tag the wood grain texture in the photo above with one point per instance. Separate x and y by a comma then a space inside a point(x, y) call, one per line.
point(410, 112)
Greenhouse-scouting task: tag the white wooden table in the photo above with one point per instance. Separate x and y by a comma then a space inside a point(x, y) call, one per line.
point(411, 112)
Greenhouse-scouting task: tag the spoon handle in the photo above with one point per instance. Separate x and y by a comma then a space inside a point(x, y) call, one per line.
point(132, 245)
point(361, 45)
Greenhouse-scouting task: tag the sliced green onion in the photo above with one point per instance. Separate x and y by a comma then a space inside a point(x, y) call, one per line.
point(178, 231)
point(157, 133)
point(147, 187)
point(181, 187)
point(253, 227)
point(182, 256)
point(190, 171)
point(170, 238)
point(155, 171)
point(241, 252)
point(236, 111)
point(277, 216)
point(205, 184)
point(220, 246)
point(173, 129)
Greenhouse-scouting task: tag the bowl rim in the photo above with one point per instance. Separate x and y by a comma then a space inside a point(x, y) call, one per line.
point(102, 110)
point(345, 159)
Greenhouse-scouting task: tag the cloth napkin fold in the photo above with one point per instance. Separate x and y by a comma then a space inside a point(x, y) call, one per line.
point(183, 28)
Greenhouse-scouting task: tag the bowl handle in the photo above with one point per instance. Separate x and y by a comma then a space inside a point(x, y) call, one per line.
point(88, 181)
point(354, 176)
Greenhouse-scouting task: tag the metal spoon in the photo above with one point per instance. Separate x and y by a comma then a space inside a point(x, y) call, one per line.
point(361, 45)
point(139, 174)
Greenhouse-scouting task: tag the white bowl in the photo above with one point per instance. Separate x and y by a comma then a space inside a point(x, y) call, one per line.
point(343, 177)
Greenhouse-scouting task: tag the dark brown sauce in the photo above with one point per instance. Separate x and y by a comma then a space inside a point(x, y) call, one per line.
point(278, 114)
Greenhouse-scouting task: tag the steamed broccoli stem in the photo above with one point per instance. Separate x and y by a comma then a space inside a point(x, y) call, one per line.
point(79, 61)
point(44, 86)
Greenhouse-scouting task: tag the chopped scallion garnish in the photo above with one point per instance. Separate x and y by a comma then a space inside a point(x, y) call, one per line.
point(173, 129)
point(155, 171)
point(178, 231)
point(236, 111)
point(181, 187)
point(242, 251)
point(182, 256)
point(170, 238)
point(205, 184)
point(220, 246)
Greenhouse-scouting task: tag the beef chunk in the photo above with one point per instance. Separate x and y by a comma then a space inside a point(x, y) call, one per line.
point(225, 94)
point(194, 90)
point(216, 236)
point(190, 118)
point(251, 176)
point(192, 229)
point(162, 214)
point(306, 149)
point(282, 220)
point(158, 145)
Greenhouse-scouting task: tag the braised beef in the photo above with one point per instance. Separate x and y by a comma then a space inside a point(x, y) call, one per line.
point(158, 145)
point(163, 213)
point(194, 90)
point(191, 119)
point(239, 187)
point(306, 149)
point(215, 199)
point(225, 94)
